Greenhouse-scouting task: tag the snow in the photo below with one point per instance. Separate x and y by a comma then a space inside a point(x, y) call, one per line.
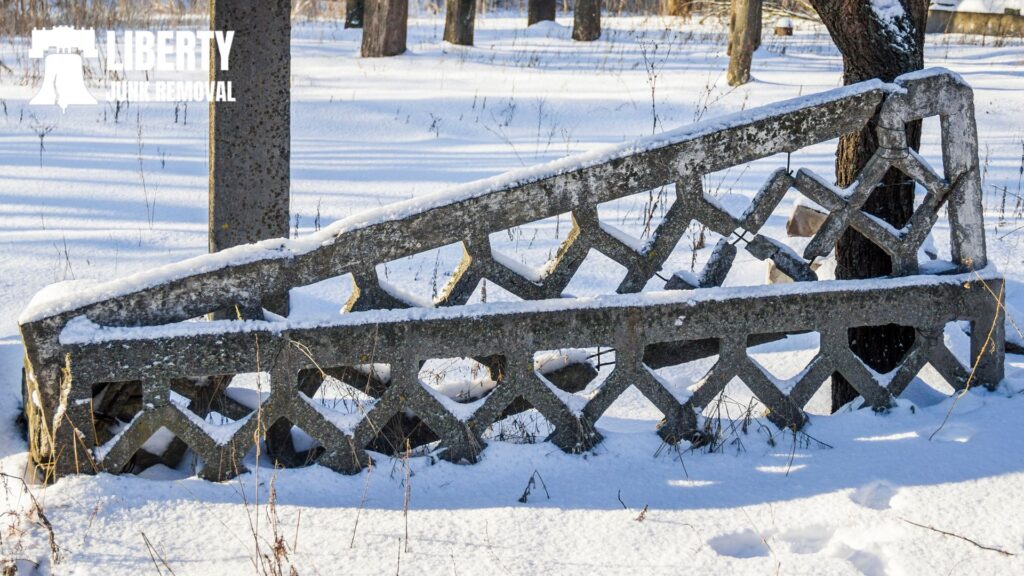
point(983, 6)
point(362, 151)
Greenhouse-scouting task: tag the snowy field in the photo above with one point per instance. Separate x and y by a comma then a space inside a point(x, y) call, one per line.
point(100, 192)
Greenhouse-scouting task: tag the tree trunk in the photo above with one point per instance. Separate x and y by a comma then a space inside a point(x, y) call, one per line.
point(681, 8)
point(384, 27)
point(586, 26)
point(354, 13)
point(884, 47)
point(250, 139)
point(744, 38)
point(458, 21)
point(539, 11)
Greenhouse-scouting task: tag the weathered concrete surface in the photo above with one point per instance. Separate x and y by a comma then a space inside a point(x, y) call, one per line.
point(250, 139)
point(63, 380)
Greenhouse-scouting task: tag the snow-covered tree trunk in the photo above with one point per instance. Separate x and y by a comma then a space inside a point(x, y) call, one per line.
point(385, 23)
point(744, 38)
point(458, 21)
point(586, 25)
point(878, 39)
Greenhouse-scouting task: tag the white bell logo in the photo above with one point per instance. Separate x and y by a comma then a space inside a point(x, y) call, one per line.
point(63, 79)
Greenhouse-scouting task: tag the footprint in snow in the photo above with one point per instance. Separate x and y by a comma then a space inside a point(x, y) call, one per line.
point(742, 544)
point(809, 539)
point(875, 495)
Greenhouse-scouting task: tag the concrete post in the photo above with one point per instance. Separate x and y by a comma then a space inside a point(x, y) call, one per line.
point(250, 138)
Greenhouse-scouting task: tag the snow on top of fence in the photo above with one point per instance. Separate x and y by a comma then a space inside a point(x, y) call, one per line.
point(82, 330)
point(67, 296)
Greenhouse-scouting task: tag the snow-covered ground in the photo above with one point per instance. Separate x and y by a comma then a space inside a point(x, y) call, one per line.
point(86, 196)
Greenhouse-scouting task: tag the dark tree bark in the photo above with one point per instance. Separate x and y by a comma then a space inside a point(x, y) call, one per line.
point(539, 11)
point(873, 46)
point(744, 38)
point(385, 23)
point(586, 26)
point(354, 13)
point(458, 21)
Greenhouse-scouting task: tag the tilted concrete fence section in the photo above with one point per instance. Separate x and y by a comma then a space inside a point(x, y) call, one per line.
point(111, 367)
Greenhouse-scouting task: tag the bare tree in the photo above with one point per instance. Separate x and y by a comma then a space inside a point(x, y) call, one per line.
point(586, 26)
point(875, 43)
point(385, 23)
point(682, 8)
point(539, 11)
point(744, 38)
point(458, 21)
point(354, 13)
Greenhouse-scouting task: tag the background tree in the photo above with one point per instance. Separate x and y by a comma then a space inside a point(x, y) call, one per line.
point(744, 38)
point(681, 8)
point(459, 19)
point(586, 25)
point(354, 14)
point(875, 43)
point(385, 24)
point(539, 11)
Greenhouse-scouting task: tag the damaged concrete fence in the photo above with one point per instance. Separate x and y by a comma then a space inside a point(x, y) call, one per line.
point(111, 366)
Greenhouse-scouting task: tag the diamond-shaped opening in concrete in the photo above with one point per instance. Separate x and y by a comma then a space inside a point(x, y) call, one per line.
point(734, 187)
point(404, 432)
point(734, 408)
point(462, 380)
point(631, 413)
point(680, 365)
point(598, 275)
point(820, 403)
point(784, 356)
point(348, 389)
point(688, 258)
point(164, 457)
point(421, 279)
point(213, 398)
point(342, 404)
point(114, 404)
point(930, 386)
point(321, 300)
point(793, 224)
point(520, 423)
point(575, 374)
point(307, 448)
point(488, 291)
point(248, 389)
point(875, 357)
point(634, 219)
point(529, 249)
